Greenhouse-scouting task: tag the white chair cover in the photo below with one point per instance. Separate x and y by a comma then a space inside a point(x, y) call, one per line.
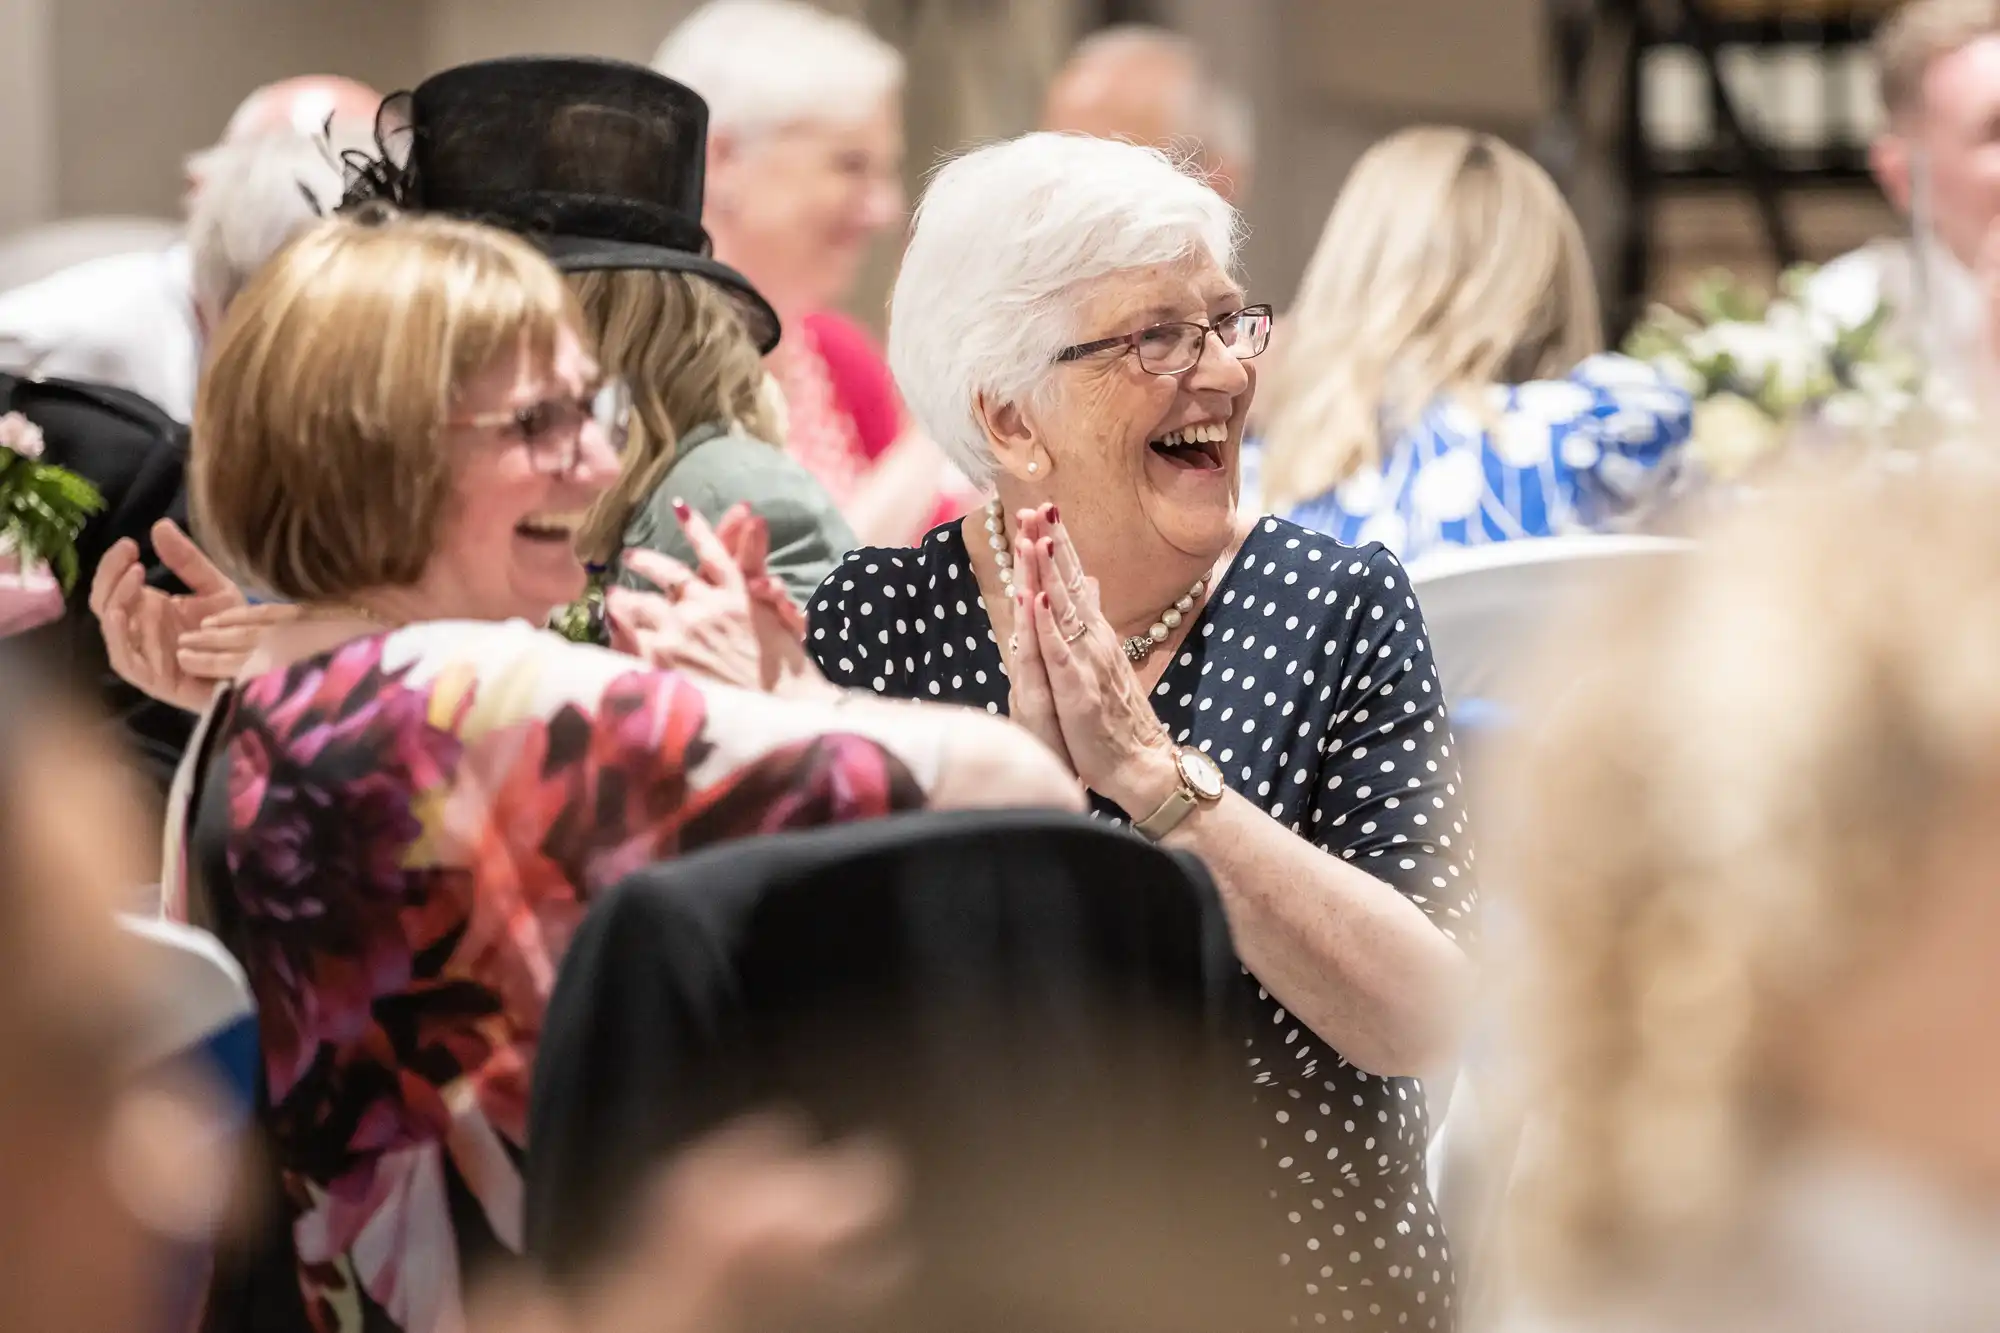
point(199, 993)
point(1489, 608)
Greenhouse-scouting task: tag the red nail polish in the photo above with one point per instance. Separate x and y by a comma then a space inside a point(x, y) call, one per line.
point(1043, 599)
point(681, 510)
point(1055, 515)
point(1048, 547)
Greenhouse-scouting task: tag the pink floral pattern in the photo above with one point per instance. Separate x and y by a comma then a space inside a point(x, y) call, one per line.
point(412, 841)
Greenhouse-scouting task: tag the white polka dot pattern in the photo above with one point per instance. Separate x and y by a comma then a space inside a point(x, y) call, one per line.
point(1309, 680)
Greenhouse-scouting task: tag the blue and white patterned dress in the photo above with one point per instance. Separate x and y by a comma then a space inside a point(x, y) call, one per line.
point(1548, 458)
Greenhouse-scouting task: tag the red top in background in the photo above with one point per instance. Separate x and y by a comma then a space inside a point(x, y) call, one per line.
point(845, 411)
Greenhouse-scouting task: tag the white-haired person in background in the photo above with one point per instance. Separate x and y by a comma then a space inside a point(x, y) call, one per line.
point(805, 159)
point(1441, 383)
point(132, 320)
point(1067, 327)
point(1151, 86)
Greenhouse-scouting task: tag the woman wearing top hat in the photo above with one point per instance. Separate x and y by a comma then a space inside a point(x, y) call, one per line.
point(614, 197)
point(601, 164)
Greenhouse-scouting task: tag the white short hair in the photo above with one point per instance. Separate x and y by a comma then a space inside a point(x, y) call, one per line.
point(254, 196)
point(1213, 114)
point(764, 64)
point(1000, 242)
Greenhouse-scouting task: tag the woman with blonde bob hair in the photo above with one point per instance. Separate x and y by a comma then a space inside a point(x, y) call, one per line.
point(410, 793)
point(1440, 383)
point(1756, 1004)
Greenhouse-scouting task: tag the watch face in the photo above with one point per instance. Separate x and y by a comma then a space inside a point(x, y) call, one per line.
point(1202, 775)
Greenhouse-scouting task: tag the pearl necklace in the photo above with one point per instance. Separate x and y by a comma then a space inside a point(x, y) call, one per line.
point(1140, 646)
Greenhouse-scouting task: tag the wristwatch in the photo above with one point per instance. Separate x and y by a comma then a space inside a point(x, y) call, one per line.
point(1200, 784)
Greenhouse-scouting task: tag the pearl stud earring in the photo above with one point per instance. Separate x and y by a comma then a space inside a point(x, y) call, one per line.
point(1033, 468)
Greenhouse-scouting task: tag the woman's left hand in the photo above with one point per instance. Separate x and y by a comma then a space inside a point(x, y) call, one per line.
point(1120, 748)
point(699, 621)
point(730, 619)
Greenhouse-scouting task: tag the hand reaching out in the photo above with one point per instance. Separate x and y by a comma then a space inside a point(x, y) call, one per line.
point(146, 630)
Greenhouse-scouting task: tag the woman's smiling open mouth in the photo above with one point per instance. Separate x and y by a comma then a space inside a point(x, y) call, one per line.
point(1197, 447)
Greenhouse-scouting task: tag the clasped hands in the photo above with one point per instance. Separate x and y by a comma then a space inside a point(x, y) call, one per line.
point(1070, 681)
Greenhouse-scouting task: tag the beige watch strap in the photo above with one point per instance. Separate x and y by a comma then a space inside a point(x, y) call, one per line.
point(1180, 803)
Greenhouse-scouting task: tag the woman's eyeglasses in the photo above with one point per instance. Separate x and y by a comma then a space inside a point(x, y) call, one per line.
point(552, 429)
point(1176, 348)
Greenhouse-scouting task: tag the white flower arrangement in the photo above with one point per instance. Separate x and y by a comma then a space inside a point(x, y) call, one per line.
point(1766, 372)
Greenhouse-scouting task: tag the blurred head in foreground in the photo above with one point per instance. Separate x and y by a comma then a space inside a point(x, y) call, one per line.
point(1757, 866)
point(105, 1172)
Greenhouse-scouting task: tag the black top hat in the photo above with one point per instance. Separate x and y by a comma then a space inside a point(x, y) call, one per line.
point(598, 161)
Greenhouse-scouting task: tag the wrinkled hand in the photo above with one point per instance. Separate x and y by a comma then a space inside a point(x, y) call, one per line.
point(1113, 737)
point(1030, 699)
point(752, 1229)
point(145, 629)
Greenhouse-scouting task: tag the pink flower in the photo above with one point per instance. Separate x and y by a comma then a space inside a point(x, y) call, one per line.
point(21, 435)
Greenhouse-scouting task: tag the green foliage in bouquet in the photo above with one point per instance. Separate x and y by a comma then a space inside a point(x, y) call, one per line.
point(582, 621)
point(42, 507)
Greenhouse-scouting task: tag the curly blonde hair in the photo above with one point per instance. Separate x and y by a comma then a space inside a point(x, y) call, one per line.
point(681, 345)
point(1450, 262)
point(1721, 816)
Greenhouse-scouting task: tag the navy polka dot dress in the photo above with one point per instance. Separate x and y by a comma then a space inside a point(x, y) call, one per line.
point(1308, 678)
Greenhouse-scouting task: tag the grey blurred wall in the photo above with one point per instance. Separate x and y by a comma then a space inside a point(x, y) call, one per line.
point(138, 84)
point(103, 98)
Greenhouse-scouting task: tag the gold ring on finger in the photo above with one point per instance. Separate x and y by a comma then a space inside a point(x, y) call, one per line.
point(1082, 629)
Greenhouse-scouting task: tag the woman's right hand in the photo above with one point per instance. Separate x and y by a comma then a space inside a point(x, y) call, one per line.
point(145, 630)
point(1030, 699)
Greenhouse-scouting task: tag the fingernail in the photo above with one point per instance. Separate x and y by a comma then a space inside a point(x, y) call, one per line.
point(1043, 599)
point(681, 510)
point(1048, 547)
point(1055, 515)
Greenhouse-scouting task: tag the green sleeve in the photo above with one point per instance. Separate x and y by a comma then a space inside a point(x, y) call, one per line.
point(808, 535)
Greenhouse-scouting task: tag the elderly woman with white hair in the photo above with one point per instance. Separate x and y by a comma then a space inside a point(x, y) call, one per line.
point(1067, 327)
point(805, 159)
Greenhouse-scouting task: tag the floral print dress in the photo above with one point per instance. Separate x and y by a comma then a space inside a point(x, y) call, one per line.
point(407, 830)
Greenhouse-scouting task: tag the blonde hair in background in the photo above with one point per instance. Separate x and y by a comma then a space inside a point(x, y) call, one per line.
point(318, 470)
point(1919, 33)
point(1450, 262)
point(681, 346)
point(1720, 814)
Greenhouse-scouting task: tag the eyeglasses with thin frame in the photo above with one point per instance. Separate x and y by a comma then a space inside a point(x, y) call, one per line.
point(1176, 347)
point(552, 429)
